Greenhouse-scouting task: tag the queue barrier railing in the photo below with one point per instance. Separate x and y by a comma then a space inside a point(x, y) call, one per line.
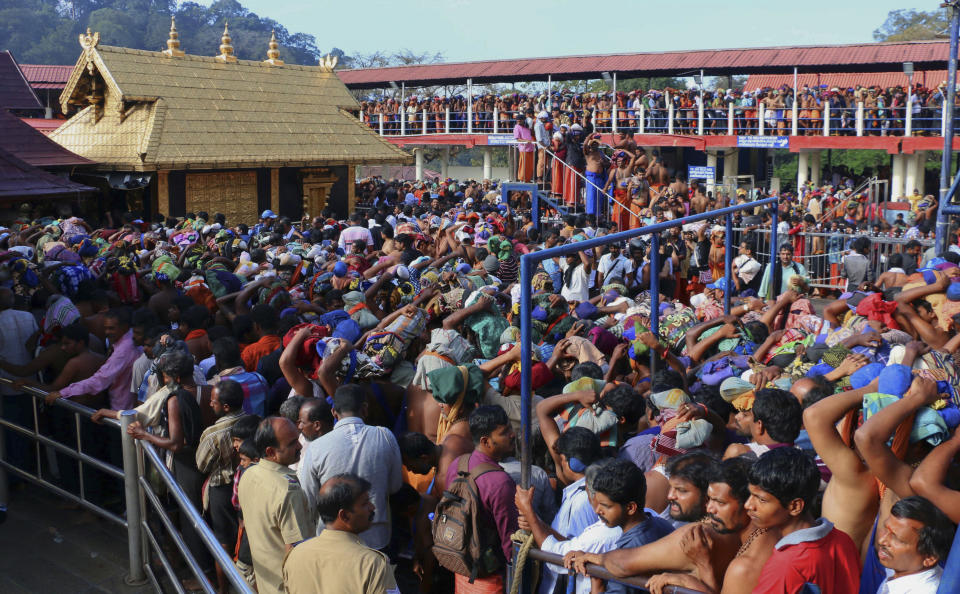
point(528, 266)
point(597, 571)
point(822, 252)
point(142, 468)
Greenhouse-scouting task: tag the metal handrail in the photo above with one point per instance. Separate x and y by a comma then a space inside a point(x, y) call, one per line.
point(581, 176)
point(195, 519)
point(127, 473)
point(531, 260)
point(833, 211)
point(598, 571)
point(137, 493)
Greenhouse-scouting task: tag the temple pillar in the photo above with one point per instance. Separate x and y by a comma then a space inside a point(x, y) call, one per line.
point(487, 162)
point(712, 162)
point(803, 169)
point(920, 164)
point(418, 153)
point(445, 162)
point(815, 168)
point(897, 175)
point(164, 204)
point(275, 189)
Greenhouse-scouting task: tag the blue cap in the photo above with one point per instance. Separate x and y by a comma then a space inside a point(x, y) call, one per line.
point(895, 380)
point(953, 291)
point(268, 214)
point(340, 269)
point(720, 283)
point(348, 330)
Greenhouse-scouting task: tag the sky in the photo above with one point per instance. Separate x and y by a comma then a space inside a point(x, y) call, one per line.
point(467, 30)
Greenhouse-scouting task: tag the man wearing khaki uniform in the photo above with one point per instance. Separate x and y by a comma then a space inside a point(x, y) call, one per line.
point(275, 512)
point(337, 560)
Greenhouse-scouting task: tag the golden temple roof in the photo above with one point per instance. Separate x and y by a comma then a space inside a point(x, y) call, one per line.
point(146, 111)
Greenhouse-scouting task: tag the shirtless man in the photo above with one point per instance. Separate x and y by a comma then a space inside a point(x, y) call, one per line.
point(851, 499)
point(699, 202)
point(895, 276)
point(82, 362)
point(723, 554)
point(917, 316)
point(625, 142)
point(679, 186)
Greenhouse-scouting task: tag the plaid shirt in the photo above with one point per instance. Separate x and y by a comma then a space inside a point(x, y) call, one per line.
point(215, 451)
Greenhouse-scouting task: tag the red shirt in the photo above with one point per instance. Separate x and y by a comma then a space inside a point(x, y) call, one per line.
point(820, 555)
point(263, 347)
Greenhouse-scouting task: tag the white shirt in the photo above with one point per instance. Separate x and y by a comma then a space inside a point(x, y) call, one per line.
point(747, 267)
point(355, 233)
point(619, 267)
point(924, 582)
point(595, 538)
point(18, 326)
point(579, 289)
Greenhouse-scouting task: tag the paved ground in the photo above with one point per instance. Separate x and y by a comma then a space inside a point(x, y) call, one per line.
point(46, 547)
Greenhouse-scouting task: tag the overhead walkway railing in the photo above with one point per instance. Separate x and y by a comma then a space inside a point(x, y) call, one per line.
point(150, 491)
point(528, 266)
point(728, 120)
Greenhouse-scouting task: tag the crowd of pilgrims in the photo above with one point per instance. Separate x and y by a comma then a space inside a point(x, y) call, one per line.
point(321, 386)
point(884, 110)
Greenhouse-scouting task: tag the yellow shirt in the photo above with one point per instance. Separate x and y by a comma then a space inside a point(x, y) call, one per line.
point(275, 514)
point(336, 561)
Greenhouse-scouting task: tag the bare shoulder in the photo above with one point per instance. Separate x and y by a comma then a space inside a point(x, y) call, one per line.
point(734, 450)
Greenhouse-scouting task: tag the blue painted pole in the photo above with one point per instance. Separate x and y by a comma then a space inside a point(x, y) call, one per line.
point(654, 294)
point(528, 264)
point(773, 253)
point(535, 209)
point(526, 348)
point(728, 263)
point(950, 581)
point(942, 230)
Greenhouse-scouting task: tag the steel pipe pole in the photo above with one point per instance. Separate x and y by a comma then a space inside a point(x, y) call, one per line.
point(942, 225)
point(131, 493)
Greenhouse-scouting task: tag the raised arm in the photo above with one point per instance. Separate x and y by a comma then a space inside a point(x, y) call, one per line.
point(871, 438)
point(820, 421)
point(929, 478)
point(295, 376)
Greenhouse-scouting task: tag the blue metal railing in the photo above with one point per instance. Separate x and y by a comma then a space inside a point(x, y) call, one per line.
point(528, 265)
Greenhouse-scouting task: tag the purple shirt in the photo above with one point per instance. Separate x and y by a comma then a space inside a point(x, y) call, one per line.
point(522, 133)
point(114, 376)
point(497, 491)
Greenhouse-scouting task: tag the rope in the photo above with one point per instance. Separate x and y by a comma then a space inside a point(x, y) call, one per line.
point(526, 542)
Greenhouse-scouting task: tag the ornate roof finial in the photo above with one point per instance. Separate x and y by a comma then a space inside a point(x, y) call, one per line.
point(226, 49)
point(328, 63)
point(173, 44)
point(89, 41)
point(273, 53)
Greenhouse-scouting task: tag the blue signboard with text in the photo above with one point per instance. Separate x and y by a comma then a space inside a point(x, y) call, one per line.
point(701, 172)
point(768, 142)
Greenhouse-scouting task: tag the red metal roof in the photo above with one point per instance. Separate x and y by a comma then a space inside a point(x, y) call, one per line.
point(831, 58)
point(46, 76)
point(19, 138)
point(15, 91)
point(925, 78)
point(19, 179)
point(44, 125)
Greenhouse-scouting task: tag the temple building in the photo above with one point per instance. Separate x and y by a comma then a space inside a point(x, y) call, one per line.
point(219, 134)
point(34, 171)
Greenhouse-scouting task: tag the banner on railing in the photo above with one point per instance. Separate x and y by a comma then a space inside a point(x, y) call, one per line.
point(776, 142)
point(499, 139)
point(701, 172)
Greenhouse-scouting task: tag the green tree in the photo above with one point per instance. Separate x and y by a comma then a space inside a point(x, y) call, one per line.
point(912, 25)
